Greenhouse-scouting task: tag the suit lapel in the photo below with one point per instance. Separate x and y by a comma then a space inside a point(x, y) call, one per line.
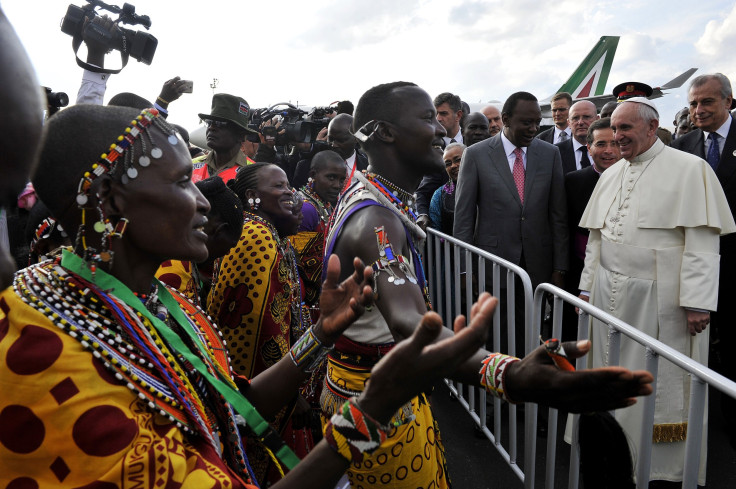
point(727, 165)
point(501, 162)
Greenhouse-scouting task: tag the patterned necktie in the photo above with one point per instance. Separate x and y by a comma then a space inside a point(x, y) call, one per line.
point(584, 160)
point(714, 155)
point(519, 174)
point(562, 137)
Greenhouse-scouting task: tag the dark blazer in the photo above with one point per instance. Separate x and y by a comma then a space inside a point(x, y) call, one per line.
point(567, 153)
point(489, 212)
point(693, 143)
point(547, 135)
point(579, 187)
point(723, 319)
point(301, 174)
point(429, 184)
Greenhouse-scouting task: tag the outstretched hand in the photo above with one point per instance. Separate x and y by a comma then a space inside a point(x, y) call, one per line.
point(341, 304)
point(417, 362)
point(537, 379)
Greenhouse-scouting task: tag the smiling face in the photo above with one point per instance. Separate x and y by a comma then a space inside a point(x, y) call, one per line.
point(452, 158)
point(603, 150)
point(418, 134)
point(708, 108)
point(633, 135)
point(523, 124)
point(164, 198)
point(275, 194)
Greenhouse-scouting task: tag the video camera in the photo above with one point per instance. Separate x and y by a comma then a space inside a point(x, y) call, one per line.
point(140, 45)
point(298, 126)
point(55, 101)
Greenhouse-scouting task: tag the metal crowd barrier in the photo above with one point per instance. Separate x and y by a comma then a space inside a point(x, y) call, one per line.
point(701, 377)
point(445, 290)
point(446, 293)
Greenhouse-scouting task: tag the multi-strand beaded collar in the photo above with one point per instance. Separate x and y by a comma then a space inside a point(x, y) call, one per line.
point(402, 200)
point(122, 335)
point(324, 209)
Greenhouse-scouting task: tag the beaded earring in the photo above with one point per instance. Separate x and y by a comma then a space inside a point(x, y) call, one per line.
point(254, 204)
point(118, 160)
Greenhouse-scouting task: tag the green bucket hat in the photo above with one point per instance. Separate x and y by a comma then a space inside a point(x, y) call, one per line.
point(229, 108)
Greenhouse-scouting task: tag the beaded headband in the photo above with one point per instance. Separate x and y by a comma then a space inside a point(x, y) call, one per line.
point(118, 159)
point(108, 161)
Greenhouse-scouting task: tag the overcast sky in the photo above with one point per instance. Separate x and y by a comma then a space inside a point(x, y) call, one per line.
point(318, 52)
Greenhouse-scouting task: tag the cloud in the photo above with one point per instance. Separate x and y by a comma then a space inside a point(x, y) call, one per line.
point(715, 45)
point(343, 26)
point(469, 13)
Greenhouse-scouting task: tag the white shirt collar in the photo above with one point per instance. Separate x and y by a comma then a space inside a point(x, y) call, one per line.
point(350, 162)
point(721, 131)
point(508, 146)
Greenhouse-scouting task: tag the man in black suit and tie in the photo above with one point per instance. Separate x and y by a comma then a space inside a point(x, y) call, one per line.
point(510, 197)
point(574, 151)
point(710, 98)
point(579, 185)
point(560, 104)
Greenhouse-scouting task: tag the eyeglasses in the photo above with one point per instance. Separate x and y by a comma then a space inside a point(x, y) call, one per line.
point(210, 123)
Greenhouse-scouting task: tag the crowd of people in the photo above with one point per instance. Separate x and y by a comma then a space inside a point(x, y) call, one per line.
point(254, 314)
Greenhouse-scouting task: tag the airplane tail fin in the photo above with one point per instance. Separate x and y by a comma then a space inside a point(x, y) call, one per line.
point(677, 81)
point(591, 76)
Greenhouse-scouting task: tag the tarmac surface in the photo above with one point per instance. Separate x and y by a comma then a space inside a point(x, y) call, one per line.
point(474, 463)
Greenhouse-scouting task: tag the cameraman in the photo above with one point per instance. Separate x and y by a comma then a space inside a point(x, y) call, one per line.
point(287, 157)
point(340, 139)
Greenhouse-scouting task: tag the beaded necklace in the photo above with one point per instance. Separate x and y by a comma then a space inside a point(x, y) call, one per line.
point(126, 342)
point(323, 208)
point(403, 205)
point(383, 196)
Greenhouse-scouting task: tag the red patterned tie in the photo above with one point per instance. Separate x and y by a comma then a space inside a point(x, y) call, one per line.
point(519, 173)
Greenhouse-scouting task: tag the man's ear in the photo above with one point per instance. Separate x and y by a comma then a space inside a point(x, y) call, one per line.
point(385, 132)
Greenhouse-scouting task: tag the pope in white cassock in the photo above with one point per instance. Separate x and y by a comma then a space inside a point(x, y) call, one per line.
point(652, 260)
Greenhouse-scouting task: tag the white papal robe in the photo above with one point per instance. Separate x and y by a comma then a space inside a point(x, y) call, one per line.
point(654, 227)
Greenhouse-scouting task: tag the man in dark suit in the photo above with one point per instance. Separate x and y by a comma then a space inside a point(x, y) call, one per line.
point(579, 186)
point(560, 104)
point(510, 197)
point(574, 151)
point(710, 98)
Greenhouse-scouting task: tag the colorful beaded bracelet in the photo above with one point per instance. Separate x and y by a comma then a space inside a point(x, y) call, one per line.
point(493, 374)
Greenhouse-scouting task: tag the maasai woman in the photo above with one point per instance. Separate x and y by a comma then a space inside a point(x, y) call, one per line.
point(257, 298)
point(442, 205)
